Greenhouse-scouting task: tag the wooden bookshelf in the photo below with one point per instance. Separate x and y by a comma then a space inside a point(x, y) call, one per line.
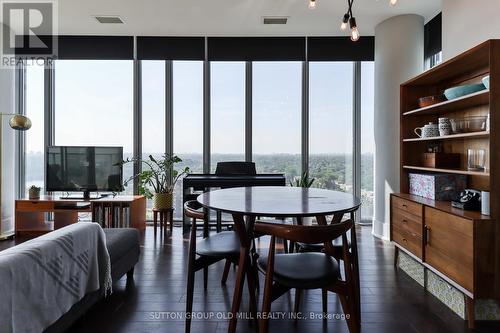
point(462, 246)
point(111, 212)
point(451, 136)
point(454, 171)
point(476, 99)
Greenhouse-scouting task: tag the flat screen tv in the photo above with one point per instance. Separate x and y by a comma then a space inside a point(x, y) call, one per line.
point(84, 169)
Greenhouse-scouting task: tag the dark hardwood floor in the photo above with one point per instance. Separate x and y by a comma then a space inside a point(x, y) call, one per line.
point(155, 300)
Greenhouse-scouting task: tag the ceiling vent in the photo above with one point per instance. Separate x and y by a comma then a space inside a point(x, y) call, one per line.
point(109, 19)
point(275, 20)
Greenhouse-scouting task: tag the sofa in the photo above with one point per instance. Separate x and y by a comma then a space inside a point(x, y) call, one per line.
point(124, 249)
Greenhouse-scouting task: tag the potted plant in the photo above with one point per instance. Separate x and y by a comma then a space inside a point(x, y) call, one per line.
point(157, 179)
point(303, 181)
point(34, 192)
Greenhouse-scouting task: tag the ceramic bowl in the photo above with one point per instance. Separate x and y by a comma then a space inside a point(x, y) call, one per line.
point(486, 81)
point(456, 92)
point(430, 100)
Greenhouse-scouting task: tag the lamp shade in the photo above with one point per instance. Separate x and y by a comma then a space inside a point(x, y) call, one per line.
point(20, 122)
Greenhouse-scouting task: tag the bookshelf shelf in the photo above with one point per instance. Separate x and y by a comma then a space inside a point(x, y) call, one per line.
point(478, 98)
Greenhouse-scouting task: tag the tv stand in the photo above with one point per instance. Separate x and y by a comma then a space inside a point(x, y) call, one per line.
point(31, 216)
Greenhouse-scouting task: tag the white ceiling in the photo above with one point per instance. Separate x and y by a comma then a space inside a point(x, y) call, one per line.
point(230, 17)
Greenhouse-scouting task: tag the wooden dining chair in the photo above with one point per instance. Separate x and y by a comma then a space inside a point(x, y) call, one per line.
point(308, 270)
point(337, 247)
point(207, 251)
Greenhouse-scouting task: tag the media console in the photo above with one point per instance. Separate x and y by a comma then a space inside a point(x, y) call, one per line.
point(49, 213)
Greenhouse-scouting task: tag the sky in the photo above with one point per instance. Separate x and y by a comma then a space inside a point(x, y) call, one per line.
point(93, 106)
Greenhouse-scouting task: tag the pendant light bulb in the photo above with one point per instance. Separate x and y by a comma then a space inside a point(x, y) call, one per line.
point(312, 4)
point(354, 29)
point(345, 20)
point(393, 2)
point(354, 34)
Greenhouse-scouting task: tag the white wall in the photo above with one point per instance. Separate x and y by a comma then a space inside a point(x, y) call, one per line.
point(467, 23)
point(399, 55)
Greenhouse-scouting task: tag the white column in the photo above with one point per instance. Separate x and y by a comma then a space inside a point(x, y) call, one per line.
point(399, 55)
point(7, 149)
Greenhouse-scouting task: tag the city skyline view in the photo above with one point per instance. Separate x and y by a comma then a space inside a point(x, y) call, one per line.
point(100, 102)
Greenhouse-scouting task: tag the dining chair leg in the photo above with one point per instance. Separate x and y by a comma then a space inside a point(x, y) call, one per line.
point(355, 273)
point(190, 281)
point(347, 308)
point(227, 266)
point(238, 289)
point(324, 297)
point(205, 278)
point(252, 292)
point(296, 306)
point(268, 292)
point(285, 246)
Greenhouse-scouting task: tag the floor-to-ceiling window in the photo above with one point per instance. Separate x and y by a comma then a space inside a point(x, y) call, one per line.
point(367, 140)
point(34, 138)
point(153, 112)
point(187, 98)
point(330, 125)
point(227, 112)
point(276, 117)
point(94, 105)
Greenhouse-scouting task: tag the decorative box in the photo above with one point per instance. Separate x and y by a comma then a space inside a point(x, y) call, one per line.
point(437, 186)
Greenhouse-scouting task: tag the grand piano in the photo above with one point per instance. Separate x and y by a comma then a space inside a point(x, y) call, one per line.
point(204, 182)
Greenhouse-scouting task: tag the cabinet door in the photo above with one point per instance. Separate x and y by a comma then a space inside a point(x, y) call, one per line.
point(448, 246)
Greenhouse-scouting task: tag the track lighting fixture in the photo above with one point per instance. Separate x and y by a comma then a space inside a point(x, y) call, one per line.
point(312, 4)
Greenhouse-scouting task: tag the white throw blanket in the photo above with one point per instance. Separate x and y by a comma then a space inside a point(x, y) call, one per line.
point(41, 279)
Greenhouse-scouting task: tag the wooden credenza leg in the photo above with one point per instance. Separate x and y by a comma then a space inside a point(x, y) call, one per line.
point(396, 254)
point(470, 312)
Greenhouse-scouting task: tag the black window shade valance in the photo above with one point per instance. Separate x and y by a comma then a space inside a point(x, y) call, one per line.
point(170, 48)
point(256, 48)
point(84, 47)
point(218, 48)
point(433, 36)
point(340, 49)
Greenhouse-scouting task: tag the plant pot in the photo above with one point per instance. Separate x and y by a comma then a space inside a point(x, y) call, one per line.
point(162, 200)
point(34, 193)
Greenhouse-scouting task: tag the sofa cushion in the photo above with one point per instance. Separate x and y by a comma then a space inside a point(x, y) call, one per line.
point(120, 241)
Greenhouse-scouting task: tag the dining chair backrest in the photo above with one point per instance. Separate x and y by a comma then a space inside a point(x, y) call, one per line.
point(236, 168)
point(305, 234)
point(193, 209)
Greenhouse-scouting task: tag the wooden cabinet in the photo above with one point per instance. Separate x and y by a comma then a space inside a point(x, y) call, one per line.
point(31, 216)
point(406, 222)
point(458, 245)
point(462, 247)
point(449, 246)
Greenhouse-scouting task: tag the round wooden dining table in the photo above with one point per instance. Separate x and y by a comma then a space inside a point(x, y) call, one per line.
point(247, 203)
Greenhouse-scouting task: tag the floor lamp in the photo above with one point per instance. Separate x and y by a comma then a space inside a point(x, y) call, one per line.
point(19, 123)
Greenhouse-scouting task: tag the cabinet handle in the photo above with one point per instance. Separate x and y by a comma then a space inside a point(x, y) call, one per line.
point(427, 235)
point(404, 205)
point(404, 240)
point(404, 221)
